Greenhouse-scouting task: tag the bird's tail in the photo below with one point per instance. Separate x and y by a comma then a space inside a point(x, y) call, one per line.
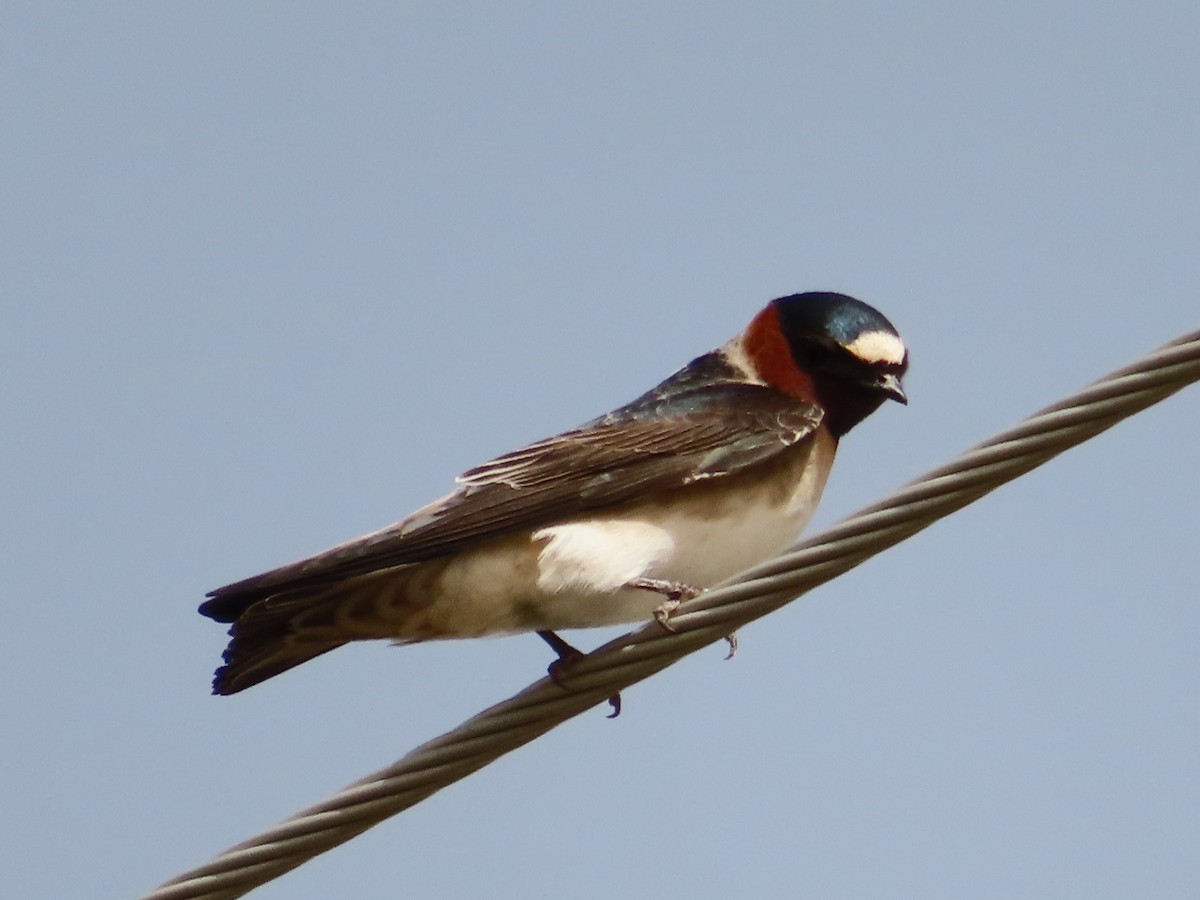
point(265, 641)
point(274, 627)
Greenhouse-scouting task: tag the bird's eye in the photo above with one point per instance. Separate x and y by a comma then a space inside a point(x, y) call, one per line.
point(818, 354)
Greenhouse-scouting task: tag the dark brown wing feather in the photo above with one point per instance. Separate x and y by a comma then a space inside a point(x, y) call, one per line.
point(644, 447)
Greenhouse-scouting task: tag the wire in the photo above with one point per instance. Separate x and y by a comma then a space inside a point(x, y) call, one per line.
point(697, 623)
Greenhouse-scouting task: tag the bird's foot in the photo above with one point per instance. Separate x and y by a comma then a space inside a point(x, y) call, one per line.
point(675, 592)
point(568, 654)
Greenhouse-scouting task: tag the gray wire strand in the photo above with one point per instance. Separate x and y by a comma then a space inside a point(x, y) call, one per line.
point(699, 622)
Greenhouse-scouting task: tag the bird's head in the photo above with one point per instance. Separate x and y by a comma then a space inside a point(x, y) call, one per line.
point(830, 349)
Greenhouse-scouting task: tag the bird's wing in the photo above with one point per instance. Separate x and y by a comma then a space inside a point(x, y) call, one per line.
point(688, 437)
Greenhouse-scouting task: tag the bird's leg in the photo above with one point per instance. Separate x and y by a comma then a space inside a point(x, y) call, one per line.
point(672, 590)
point(566, 655)
point(675, 592)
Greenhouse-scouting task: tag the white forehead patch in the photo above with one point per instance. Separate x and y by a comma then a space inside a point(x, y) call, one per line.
point(878, 347)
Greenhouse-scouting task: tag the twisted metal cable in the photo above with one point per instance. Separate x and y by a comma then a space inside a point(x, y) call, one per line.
point(699, 622)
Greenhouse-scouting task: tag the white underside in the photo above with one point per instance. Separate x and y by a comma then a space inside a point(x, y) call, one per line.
point(573, 574)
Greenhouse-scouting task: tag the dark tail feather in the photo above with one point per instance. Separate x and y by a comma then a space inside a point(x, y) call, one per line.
point(247, 665)
point(265, 640)
point(275, 627)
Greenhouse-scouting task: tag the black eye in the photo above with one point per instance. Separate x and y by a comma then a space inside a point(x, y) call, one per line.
point(816, 355)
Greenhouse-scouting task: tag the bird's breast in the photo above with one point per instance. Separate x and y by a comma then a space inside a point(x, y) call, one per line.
point(718, 528)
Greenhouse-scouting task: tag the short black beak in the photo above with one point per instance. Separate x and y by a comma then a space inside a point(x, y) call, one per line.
point(889, 385)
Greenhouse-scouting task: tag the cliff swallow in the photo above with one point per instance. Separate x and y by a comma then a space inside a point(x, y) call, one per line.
point(717, 468)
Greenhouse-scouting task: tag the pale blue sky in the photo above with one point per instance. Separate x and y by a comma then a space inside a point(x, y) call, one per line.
point(274, 273)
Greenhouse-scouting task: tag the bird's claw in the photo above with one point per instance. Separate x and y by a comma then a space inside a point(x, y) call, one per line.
point(615, 702)
point(732, 640)
point(557, 669)
point(662, 614)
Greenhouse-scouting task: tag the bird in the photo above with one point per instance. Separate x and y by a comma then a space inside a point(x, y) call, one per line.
point(715, 469)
